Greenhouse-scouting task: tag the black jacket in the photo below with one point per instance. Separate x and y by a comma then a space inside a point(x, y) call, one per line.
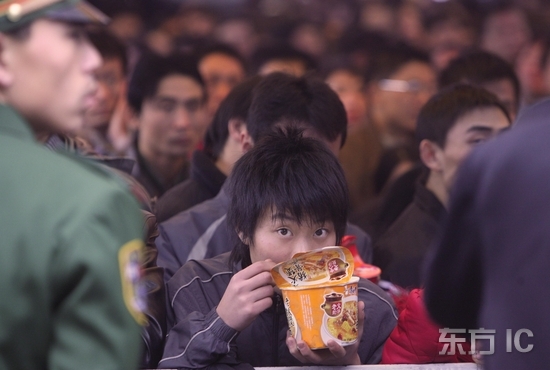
point(204, 182)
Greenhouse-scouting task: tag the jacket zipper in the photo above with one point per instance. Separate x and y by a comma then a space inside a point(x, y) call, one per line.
point(275, 336)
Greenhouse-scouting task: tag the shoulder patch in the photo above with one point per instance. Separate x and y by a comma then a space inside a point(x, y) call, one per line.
point(134, 291)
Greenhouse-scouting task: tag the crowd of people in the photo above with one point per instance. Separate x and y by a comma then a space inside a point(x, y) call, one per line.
point(159, 162)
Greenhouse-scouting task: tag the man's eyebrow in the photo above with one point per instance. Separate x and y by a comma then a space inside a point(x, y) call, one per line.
point(481, 129)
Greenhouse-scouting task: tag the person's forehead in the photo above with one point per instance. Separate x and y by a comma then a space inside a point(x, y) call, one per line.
point(415, 69)
point(220, 59)
point(489, 118)
point(178, 85)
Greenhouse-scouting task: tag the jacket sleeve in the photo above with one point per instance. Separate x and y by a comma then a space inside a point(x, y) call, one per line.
point(380, 319)
point(198, 337)
point(95, 321)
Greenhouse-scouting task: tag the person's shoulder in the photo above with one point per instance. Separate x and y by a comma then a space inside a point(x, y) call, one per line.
point(199, 217)
point(207, 271)
point(376, 298)
point(178, 199)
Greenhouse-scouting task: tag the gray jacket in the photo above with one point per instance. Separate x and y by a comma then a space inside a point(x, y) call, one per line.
point(199, 338)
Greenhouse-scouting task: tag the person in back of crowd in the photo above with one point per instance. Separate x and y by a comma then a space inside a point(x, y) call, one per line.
point(225, 311)
point(449, 126)
point(486, 70)
point(225, 142)
point(221, 68)
point(106, 121)
point(202, 231)
point(360, 155)
point(506, 29)
point(167, 98)
point(401, 82)
point(71, 234)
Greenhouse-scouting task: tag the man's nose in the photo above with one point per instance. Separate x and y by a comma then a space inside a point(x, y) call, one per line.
point(92, 59)
point(182, 118)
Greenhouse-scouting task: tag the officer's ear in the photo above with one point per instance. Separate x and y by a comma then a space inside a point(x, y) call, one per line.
point(6, 75)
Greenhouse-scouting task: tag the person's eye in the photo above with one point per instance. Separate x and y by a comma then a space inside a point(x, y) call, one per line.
point(322, 232)
point(477, 140)
point(283, 231)
point(77, 34)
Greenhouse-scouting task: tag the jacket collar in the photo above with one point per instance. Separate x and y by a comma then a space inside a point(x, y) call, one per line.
point(11, 123)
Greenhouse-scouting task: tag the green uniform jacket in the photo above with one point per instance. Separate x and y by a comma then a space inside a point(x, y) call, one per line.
point(64, 303)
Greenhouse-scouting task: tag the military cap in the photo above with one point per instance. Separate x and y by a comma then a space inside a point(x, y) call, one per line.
point(15, 13)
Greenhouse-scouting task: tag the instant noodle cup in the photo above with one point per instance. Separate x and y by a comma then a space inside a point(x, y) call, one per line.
point(317, 314)
point(320, 296)
point(325, 266)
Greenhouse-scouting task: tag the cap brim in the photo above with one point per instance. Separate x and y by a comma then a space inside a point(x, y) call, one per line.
point(81, 12)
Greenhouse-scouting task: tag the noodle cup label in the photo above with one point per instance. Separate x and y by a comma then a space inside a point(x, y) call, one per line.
point(318, 314)
point(325, 266)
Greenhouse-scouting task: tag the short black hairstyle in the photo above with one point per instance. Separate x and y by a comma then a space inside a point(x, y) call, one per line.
point(221, 48)
point(389, 60)
point(281, 51)
point(479, 67)
point(152, 68)
point(444, 109)
point(290, 174)
point(305, 100)
point(109, 46)
point(235, 105)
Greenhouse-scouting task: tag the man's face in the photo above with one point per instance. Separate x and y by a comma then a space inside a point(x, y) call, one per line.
point(470, 130)
point(279, 237)
point(349, 88)
point(48, 76)
point(399, 109)
point(111, 83)
point(221, 73)
point(169, 120)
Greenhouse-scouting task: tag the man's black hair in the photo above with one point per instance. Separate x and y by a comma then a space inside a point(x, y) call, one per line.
point(478, 68)
point(109, 46)
point(389, 60)
point(445, 108)
point(151, 69)
point(307, 101)
point(281, 51)
point(235, 105)
point(286, 173)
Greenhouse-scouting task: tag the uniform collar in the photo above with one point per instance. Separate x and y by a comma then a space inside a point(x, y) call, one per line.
point(11, 123)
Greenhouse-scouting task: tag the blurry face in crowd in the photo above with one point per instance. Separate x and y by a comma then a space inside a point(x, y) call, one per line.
point(506, 33)
point(48, 76)
point(470, 130)
point(169, 120)
point(111, 83)
point(221, 72)
point(279, 237)
point(349, 88)
point(398, 101)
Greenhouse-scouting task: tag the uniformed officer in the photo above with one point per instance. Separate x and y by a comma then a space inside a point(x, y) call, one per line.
point(70, 235)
